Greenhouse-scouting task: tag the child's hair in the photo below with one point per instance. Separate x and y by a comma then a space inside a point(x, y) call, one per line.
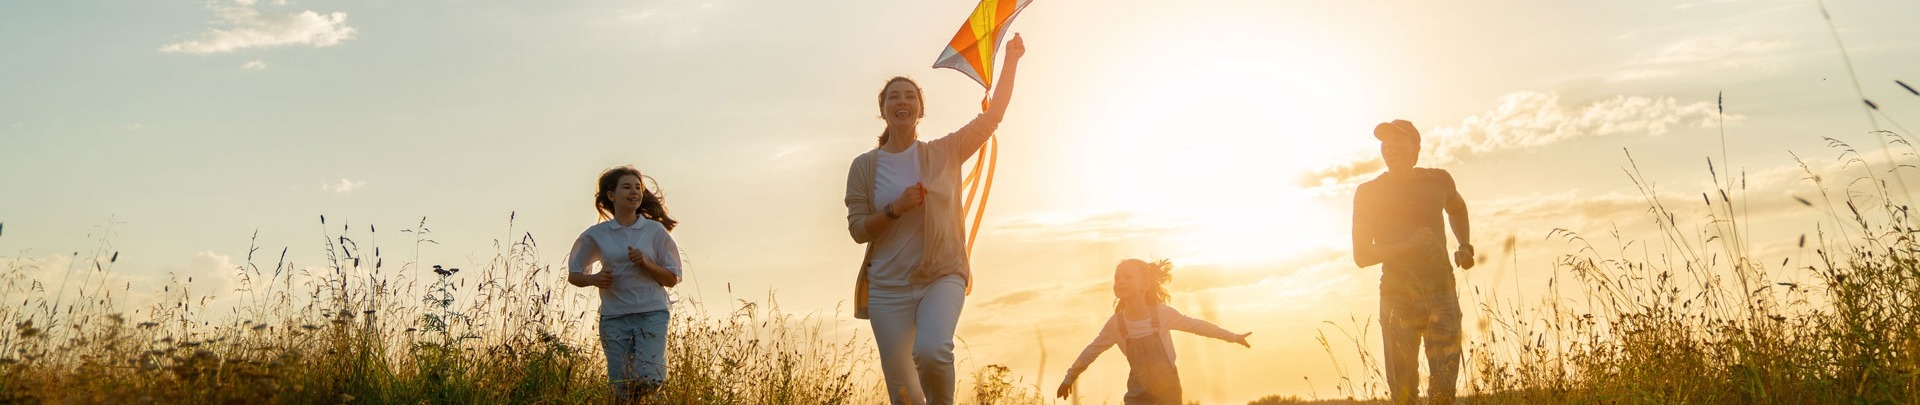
point(1159, 272)
point(653, 205)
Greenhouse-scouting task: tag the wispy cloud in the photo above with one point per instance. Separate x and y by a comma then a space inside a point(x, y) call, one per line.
point(124, 279)
point(343, 186)
point(1530, 119)
point(1571, 205)
point(254, 65)
point(1100, 227)
point(1187, 278)
point(1695, 53)
point(1016, 298)
point(1782, 192)
point(670, 22)
point(244, 26)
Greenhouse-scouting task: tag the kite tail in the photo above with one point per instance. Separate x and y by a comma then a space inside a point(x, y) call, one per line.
point(988, 151)
point(991, 159)
point(973, 177)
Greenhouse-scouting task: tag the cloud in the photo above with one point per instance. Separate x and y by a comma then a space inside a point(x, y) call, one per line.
point(639, 16)
point(207, 276)
point(254, 65)
point(1186, 279)
point(672, 23)
point(246, 27)
point(1720, 52)
point(343, 186)
point(1101, 227)
point(1344, 171)
point(1570, 204)
point(72, 279)
point(1765, 197)
point(23, 276)
point(1015, 298)
point(1530, 119)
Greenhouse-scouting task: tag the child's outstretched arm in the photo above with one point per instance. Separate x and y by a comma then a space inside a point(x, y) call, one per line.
point(1174, 320)
point(1109, 335)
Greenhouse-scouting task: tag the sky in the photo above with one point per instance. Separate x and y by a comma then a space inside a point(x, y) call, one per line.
point(1224, 135)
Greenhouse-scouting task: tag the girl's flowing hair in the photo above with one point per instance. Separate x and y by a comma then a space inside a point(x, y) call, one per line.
point(653, 204)
point(1160, 272)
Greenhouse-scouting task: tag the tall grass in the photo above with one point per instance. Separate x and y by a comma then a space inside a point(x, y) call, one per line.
point(355, 328)
point(1692, 314)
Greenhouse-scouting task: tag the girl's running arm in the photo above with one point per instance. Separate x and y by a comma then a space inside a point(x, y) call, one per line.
point(584, 254)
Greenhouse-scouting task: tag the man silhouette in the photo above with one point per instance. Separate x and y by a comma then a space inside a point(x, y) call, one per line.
point(1396, 223)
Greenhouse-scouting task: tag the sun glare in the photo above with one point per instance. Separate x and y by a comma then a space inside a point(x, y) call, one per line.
point(1221, 146)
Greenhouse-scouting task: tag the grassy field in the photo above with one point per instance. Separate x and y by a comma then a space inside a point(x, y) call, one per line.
point(1687, 314)
point(1690, 314)
point(1688, 317)
point(1694, 316)
point(356, 329)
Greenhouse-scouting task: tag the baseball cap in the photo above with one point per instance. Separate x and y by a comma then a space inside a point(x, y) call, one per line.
point(1395, 129)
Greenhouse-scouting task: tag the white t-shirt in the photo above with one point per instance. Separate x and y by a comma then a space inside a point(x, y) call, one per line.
point(633, 290)
point(1140, 328)
point(897, 250)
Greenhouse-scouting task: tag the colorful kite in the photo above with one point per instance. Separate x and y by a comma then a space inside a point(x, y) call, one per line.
point(972, 53)
point(971, 50)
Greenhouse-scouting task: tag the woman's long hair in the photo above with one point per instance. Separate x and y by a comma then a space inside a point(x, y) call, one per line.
point(920, 98)
point(653, 205)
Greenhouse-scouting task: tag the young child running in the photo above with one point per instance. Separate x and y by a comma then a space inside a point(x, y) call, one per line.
point(1140, 324)
point(638, 261)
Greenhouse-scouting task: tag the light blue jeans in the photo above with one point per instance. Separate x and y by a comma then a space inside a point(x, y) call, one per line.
point(636, 346)
point(913, 325)
point(1406, 323)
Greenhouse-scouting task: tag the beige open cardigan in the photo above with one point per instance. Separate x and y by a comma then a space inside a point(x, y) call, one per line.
point(945, 228)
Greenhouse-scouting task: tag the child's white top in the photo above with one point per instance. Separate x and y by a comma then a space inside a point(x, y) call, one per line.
point(633, 291)
point(1116, 330)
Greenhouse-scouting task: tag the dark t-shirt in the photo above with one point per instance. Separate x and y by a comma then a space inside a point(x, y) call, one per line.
point(1394, 206)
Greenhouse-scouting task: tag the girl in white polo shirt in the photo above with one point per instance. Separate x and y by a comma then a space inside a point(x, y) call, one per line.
point(638, 262)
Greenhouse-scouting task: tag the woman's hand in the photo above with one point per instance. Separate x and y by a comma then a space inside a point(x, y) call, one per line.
point(910, 199)
point(1016, 47)
point(1242, 339)
point(1066, 387)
